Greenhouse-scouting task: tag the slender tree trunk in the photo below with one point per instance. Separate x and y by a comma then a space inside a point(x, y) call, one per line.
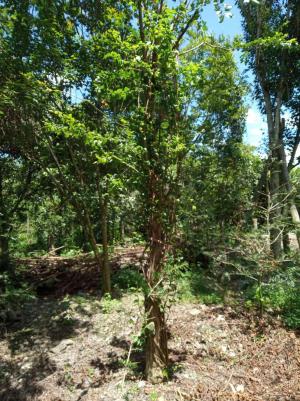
point(275, 173)
point(155, 328)
point(274, 125)
point(122, 230)
point(4, 232)
point(87, 225)
point(255, 223)
point(286, 241)
point(295, 219)
point(285, 234)
point(112, 231)
point(275, 214)
point(293, 211)
point(106, 284)
point(4, 249)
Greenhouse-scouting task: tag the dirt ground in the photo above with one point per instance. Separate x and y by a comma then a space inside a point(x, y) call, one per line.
point(75, 348)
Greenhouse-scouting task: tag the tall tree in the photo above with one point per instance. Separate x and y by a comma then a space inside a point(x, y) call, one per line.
point(164, 132)
point(272, 33)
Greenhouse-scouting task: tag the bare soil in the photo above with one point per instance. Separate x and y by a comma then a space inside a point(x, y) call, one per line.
point(75, 348)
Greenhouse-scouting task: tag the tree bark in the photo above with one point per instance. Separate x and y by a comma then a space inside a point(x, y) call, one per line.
point(4, 232)
point(155, 329)
point(293, 211)
point(156, 340)
point(274, 125)
point(106, 279)
point(275, 214)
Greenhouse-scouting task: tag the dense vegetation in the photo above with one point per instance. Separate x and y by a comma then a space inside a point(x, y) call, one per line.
point(122, 123)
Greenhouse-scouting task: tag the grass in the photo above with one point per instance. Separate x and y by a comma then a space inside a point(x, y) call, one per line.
point(193, 286)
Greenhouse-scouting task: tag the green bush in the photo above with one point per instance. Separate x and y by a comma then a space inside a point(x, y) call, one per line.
point(129, 279)
point(280, 293)
point(189, 283)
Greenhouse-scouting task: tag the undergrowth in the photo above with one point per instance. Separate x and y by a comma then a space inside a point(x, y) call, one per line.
point(183, 283)
point(13, 294)
point(280, 294)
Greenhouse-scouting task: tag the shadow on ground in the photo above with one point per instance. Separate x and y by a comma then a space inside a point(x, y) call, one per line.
point(17, 387)
point(44, 322)
point(39, 326)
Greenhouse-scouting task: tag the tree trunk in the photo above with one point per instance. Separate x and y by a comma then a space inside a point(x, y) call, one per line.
point(285, 234)
point(5, 265)
point(106, 279)
point(289, 188)
point(87, 225)
point(122, 230)
point(4, 249)
point(286, 241)
point(155, 328)
point(275, 213)
point(274, 128)
point(156, 340)
point(255, 223)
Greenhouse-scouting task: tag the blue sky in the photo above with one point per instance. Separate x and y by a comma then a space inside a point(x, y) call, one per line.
point(256, 125)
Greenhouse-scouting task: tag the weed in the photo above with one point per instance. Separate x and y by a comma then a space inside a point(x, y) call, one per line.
point(108, 304)
point(131, 365)
point(91, 372)
point(66, 378)
point(131, 392)
point(153, 395)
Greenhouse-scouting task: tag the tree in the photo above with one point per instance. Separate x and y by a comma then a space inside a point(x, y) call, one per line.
point(272, 33)
point(50, 80)
point(220, 171)
point(164, 132)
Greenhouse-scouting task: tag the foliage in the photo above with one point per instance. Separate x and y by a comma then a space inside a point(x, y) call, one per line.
point(129, 279)
point(280, 293)
point(217, 196)
point(108, 304)
point(245, 267)
point(13, 298)
point(193, 285)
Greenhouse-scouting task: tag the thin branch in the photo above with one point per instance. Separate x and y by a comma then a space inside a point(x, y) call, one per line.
point(185, 29)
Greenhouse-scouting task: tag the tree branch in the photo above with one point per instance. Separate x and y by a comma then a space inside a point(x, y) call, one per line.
point(185, 29)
